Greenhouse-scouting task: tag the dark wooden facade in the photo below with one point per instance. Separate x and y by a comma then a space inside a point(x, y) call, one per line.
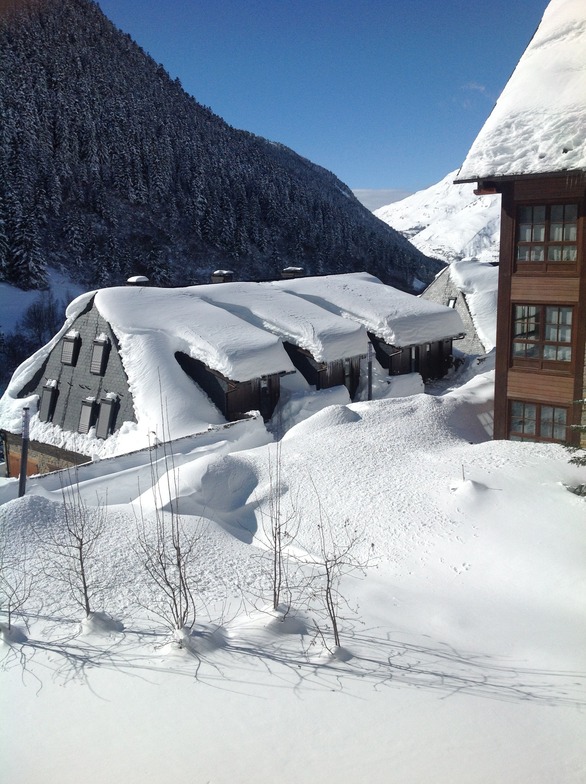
point(323, 375)
point(541, 322)
point(233, 398)
point(431, 360)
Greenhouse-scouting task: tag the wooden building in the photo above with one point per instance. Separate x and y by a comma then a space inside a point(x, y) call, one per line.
point(540, 173)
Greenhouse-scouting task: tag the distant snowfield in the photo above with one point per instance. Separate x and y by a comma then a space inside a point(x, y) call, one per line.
point(448, 221)
point(463, 640)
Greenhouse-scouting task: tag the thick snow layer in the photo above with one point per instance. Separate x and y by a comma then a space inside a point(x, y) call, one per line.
point(462, 640)
point(447, 221)
point(539, 122)
point(397, 318)
point(181, 320)
point(326, 336)
point(479, 282)
point(236, 329)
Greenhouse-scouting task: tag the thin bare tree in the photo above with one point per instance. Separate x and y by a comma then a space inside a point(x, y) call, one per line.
point(165, 546)
point(71, 549)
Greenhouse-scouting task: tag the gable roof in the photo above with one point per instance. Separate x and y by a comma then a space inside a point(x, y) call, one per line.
point(538, 125)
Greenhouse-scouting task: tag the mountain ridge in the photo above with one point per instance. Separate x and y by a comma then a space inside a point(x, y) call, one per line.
point(109, 168)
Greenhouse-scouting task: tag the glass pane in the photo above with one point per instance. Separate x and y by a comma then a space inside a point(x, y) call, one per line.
point(525, 232)
point(519, 349)
point(529, 428)
point(565, 335)
point(571, 212)
point(556, 232)
point(538, 214)
point(539, 232)
point(559, 432)
point(516, 408)
point(559, 415)
point(550, 353)
point(570, 232)
point(537, 253)
point(565, 316)
point(564, 354)
point(523, 254)
point(569, 253)
point(554, 253)
point(557, 212)
point(551, 332)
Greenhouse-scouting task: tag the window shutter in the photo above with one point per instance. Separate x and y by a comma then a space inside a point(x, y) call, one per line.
point(100, 353)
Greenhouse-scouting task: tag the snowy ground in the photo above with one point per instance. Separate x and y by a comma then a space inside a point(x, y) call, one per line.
point(463, 639)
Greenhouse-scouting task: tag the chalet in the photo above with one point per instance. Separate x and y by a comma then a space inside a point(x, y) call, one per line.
point(409, 334)
point(324, 347)
point(532, 150)
point(137, 364)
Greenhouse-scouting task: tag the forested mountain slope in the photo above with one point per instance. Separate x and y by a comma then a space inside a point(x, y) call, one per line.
point(108, 168)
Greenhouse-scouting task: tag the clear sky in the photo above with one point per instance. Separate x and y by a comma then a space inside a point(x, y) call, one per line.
point(387, 94)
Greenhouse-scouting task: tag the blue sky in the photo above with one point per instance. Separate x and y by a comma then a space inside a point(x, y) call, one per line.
point(387, 94)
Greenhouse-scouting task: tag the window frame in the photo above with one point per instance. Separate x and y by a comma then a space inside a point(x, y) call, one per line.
point(48, 400)
point(539, 422)
point(70, 347)
point(538, 342)
point(87, 415)
point(547, 244)
point(99, 358)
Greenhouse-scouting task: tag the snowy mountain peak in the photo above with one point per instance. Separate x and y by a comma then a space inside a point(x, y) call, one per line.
point(448, 221)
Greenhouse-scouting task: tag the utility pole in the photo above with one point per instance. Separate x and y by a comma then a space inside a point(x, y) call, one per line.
point(24, 452)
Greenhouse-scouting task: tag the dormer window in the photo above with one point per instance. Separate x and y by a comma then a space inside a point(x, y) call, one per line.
point(87, 416)
point(107, 415)
point(48, 400)
point(70, 348)
point(100, 351)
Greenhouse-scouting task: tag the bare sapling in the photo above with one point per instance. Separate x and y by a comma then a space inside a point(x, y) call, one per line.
point(166, 548)
point(339, 555)
point(280, 528)
point(15, 583)
point(72, 549)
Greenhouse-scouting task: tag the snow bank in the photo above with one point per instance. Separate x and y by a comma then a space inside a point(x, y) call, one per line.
point(479, 282)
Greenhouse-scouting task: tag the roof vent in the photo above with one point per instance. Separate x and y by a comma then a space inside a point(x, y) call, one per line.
point(222, 276)
point(138, 280)
point(292, 272)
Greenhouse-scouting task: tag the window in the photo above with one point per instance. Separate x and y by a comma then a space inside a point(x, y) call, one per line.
point(107, 416)
point(452, 302)
point(542, 334)
point(547, 234)
point(100, 353)
point(48, 400)
point(70, 348)
point(88, 415)
point(537, 422)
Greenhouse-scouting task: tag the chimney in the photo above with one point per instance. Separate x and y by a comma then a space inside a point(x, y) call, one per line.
point(292, 272)
point(222, 276)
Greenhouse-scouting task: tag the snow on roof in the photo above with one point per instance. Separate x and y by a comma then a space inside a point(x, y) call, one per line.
point(398, 318)
point(479, 282)
point(324, 334)
point(181, 320)
point(539, 122)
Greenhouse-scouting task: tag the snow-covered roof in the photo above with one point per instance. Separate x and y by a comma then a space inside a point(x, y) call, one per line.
point(539, 122)
point(181, 320)
point(324, 334)
point(398, 318)
point(479, 282)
